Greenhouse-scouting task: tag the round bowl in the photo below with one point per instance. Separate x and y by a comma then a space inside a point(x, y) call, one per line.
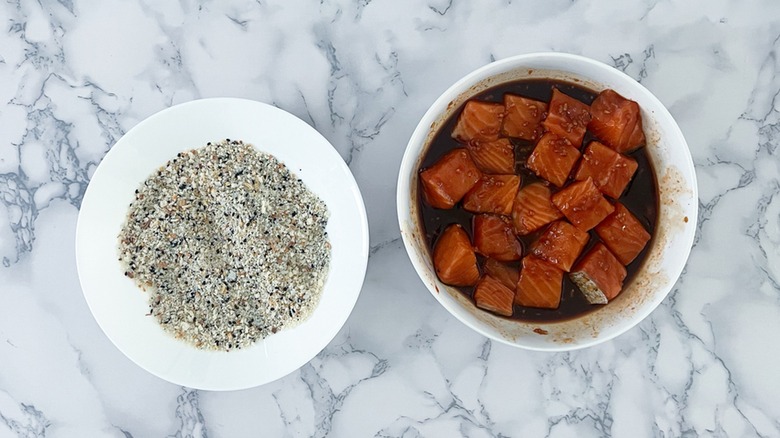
point(677, 209)
point(120, 307)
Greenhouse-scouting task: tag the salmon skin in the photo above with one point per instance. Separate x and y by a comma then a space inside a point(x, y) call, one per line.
point(446, 182)
point(533, 209)
point(454, 259)
point(479, 121)
point(599, 275)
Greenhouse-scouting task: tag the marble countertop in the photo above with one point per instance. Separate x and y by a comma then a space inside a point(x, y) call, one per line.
point(75, 75)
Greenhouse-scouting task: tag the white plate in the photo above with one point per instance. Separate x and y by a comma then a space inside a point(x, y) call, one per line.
point(120, 307)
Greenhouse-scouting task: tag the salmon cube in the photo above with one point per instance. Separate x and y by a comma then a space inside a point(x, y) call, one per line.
point(539, 285)
point(560, 244)
point(533, 209)
point(507, 275)
point(617, 121)
point(479, 121)
point(492, 194)
point(583, 204)
point(623, 234)
point(495, 157)
point(599, 275)
point(493, 237)
point(493, 296)
point(454, 258)
point(611, 171)
point(523, 117)
point(553, 158)
point(445, 183)
point(567, 117)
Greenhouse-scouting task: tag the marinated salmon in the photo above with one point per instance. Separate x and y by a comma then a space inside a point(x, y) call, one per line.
point(523, 117)
point(567, 117)
point(445, 183)
point(560, 244)
point(494, 157)
point(611, 171)
point(507, 275)
point(617, 122)
point(539, 190)
point(539, 285)
point(553, 158)
point(493, 296)
point(454, 258)
point(533, 209)
point(479, 121)
point(492, 194)
point(583, 204)
point(623, 234)
point(599, 275)
point(494, 237)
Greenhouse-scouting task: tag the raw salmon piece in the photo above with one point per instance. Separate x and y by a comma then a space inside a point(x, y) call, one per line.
point(492, 295)
point(583, 204)
point(493, 237)
point(479, 121)
point(599, 275)
point(523, 117)
point(493, 156)
point(539, 284)
point(445, 183)
point(560, 244)
point(623, 234)
point(533, 209)
point(617, 121)
point(454, 258)
point(553, 158)
point(567, 117)
point(611, 171)
point(492, 194)
point(507, 275)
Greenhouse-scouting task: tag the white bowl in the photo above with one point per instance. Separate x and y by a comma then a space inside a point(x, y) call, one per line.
point(120, 307)
point(677, 209)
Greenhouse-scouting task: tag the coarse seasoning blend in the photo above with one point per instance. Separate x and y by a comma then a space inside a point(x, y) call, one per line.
point(230, 245)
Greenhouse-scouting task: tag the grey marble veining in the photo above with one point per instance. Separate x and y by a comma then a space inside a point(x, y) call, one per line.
point(75, 75)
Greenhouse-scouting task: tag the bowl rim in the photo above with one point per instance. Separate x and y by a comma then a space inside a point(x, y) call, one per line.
point(417, 146)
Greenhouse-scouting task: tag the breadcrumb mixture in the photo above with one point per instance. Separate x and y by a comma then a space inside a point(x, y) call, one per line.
point(230, 245)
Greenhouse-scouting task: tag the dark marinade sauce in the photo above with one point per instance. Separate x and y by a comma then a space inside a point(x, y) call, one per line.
point(640, 197)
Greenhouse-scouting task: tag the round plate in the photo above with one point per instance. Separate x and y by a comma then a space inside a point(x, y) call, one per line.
point(120, 307)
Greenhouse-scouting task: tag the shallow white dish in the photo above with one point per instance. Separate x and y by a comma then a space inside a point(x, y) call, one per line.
point(677, 209)
point(120, 307)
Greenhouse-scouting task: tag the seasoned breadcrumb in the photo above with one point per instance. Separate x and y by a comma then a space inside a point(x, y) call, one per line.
point(230, 245)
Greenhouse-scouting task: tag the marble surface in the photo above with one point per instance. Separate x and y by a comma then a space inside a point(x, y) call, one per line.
point(75, 75)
